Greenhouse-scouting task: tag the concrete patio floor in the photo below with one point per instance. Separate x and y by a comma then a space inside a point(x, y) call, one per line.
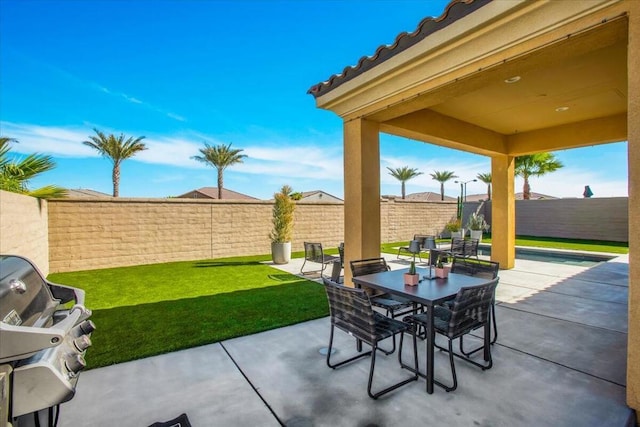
point(560, 360)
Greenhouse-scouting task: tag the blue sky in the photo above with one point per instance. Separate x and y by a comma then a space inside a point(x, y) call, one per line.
point(182, 73)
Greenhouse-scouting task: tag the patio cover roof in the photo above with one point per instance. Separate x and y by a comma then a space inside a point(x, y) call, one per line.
point(501, 79)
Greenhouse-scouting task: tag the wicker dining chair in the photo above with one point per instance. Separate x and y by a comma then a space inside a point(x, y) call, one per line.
point(479, 268)
point(394, 306)
point(313, 252)
point(414, 251)
point(351, 311)
point(469, 311)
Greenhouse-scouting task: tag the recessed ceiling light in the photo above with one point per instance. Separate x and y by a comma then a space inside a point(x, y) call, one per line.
point(512, 79)
point(561, 109)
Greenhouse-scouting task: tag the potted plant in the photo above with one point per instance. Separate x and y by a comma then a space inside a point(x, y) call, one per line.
point(442, 271)
point(282, 219)
point(477, 225)
point(454, 226)
point(411, 278)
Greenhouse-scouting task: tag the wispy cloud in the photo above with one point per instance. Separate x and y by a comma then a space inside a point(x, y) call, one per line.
point(310, 161)
point(288, 160)
point(103, 89)
point(464, 169)
point(54, 141)
point(570, 182)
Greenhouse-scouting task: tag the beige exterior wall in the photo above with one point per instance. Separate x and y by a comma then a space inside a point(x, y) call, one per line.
point(91, 234)
point(402, 219)
point(24, 228)
point(82, 234)
point(605, 218)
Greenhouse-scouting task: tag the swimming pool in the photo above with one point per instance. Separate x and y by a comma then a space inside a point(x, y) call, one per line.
point(558, 257)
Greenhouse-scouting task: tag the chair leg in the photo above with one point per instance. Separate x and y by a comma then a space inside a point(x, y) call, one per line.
point(334, 366)
point(372, 395)
point(495, 334)
point(495, 325)
point(393, 348)
point(466, 356)
point(453, 371)
point(415, 369)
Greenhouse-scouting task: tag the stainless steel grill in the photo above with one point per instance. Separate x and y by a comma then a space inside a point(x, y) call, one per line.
point(44, 334)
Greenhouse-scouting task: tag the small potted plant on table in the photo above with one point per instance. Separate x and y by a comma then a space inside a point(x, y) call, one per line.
point(442, 271)
point(411, 278)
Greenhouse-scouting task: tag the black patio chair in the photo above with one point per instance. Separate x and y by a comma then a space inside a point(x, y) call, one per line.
point(411, 250)
point(394, 306)
point(428, 245)
point(479, 268)
point(313, 252)
point(351, 312)
point(336, 272)
point(469, 311)
point(466, 248)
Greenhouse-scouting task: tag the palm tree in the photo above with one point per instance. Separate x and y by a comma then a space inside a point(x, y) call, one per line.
point(442, 177)
point(15, 175)
point(535, 165)
point(117, 149)
point(220, 157)
point(486, 178)
point(403, 175)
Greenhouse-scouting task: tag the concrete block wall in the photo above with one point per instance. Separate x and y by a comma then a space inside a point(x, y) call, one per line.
point(601, 218)
point(83, 234)
point(102, 233)
point(591, 218)
point(24, 228)
point(401, 219)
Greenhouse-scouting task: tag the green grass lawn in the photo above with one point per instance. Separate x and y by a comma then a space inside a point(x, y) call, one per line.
point(147, 310)
point(153, 309)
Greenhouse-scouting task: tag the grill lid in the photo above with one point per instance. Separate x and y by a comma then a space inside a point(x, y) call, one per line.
point(25, 298)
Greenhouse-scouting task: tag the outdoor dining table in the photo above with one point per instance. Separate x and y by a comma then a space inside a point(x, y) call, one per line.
point(429, 292)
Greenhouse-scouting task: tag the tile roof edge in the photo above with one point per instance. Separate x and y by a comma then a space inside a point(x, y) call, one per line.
point(454, 11)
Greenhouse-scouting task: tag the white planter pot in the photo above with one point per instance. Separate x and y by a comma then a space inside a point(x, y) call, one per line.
point(476, 234)
point(281, 252)
point(458, 234)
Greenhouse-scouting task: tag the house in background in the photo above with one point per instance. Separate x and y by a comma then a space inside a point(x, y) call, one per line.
point(319, 196)
point(212, 193)
point(428, 196)
point(518, 196)
point(85, 193)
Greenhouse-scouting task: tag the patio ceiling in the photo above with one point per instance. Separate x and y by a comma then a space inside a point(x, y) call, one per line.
point(571, 89)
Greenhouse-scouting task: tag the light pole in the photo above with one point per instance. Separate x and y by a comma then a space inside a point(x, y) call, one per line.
point(463, 188)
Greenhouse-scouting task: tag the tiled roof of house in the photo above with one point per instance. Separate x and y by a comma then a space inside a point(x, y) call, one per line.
point(454, 11)
point(85, 193)
point(212, 193)
point(429, 196)
point(518, 196)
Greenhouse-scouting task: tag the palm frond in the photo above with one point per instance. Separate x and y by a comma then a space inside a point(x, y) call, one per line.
point(48, 192)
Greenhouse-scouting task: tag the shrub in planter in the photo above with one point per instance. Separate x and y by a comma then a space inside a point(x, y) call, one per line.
point(282, 220)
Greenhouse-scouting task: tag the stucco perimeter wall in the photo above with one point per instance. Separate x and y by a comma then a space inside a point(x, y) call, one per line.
point(602, 218)
point(24, 228)
point(91, 234)
point(401, 219)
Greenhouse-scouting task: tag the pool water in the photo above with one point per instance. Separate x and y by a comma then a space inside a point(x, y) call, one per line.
point(579, 259)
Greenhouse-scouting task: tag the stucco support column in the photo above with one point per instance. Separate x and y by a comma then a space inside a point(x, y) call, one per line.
point(633, 137)
point(361, 192)
point(503, 218)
